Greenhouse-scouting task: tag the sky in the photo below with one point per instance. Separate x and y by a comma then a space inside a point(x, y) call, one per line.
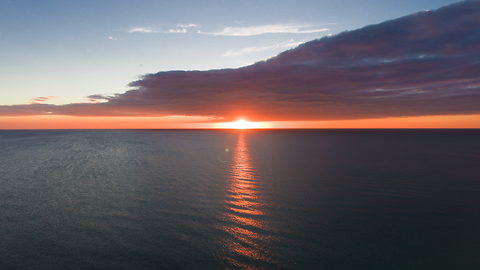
point(187, 64)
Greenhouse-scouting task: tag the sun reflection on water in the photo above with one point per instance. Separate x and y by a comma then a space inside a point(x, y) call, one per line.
point(246, 247)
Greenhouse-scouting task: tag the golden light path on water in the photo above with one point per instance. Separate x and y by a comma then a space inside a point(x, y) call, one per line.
point(244, 213)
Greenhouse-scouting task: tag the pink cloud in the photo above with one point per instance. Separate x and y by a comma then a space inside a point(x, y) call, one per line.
point(38, 100)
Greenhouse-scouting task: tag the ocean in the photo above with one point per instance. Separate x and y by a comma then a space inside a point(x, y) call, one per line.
point(240, 199)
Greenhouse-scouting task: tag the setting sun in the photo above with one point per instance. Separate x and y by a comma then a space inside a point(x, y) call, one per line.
point(241, 124)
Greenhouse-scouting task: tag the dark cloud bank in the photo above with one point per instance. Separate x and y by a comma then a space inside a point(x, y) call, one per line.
point(427, 63)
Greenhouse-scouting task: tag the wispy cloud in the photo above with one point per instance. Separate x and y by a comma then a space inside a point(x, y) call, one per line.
point(39, 100)
point(249, 50)
point(97, 98)
point(265, 29)
point(183, 29)
point(178, 31)
point(187, 25)
point(423, 64)
point(142, 30)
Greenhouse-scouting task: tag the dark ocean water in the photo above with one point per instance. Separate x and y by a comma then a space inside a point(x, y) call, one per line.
point(291, 199)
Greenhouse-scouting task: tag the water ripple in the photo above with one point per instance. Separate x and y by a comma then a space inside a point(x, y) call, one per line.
point(247, 231)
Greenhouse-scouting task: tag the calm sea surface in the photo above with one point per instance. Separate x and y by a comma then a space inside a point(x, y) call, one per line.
point(185, 199)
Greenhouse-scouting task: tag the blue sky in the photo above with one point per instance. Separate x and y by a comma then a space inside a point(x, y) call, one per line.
point(65, 51)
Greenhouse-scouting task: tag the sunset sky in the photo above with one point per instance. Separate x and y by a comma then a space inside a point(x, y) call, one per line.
point(197, 64)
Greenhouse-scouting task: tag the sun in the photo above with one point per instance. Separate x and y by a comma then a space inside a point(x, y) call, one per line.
point(241, 124)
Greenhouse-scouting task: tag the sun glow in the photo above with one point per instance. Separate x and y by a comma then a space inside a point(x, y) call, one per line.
point(241, 124)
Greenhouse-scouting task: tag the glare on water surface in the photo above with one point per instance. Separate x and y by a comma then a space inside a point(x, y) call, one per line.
point(244, 211)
